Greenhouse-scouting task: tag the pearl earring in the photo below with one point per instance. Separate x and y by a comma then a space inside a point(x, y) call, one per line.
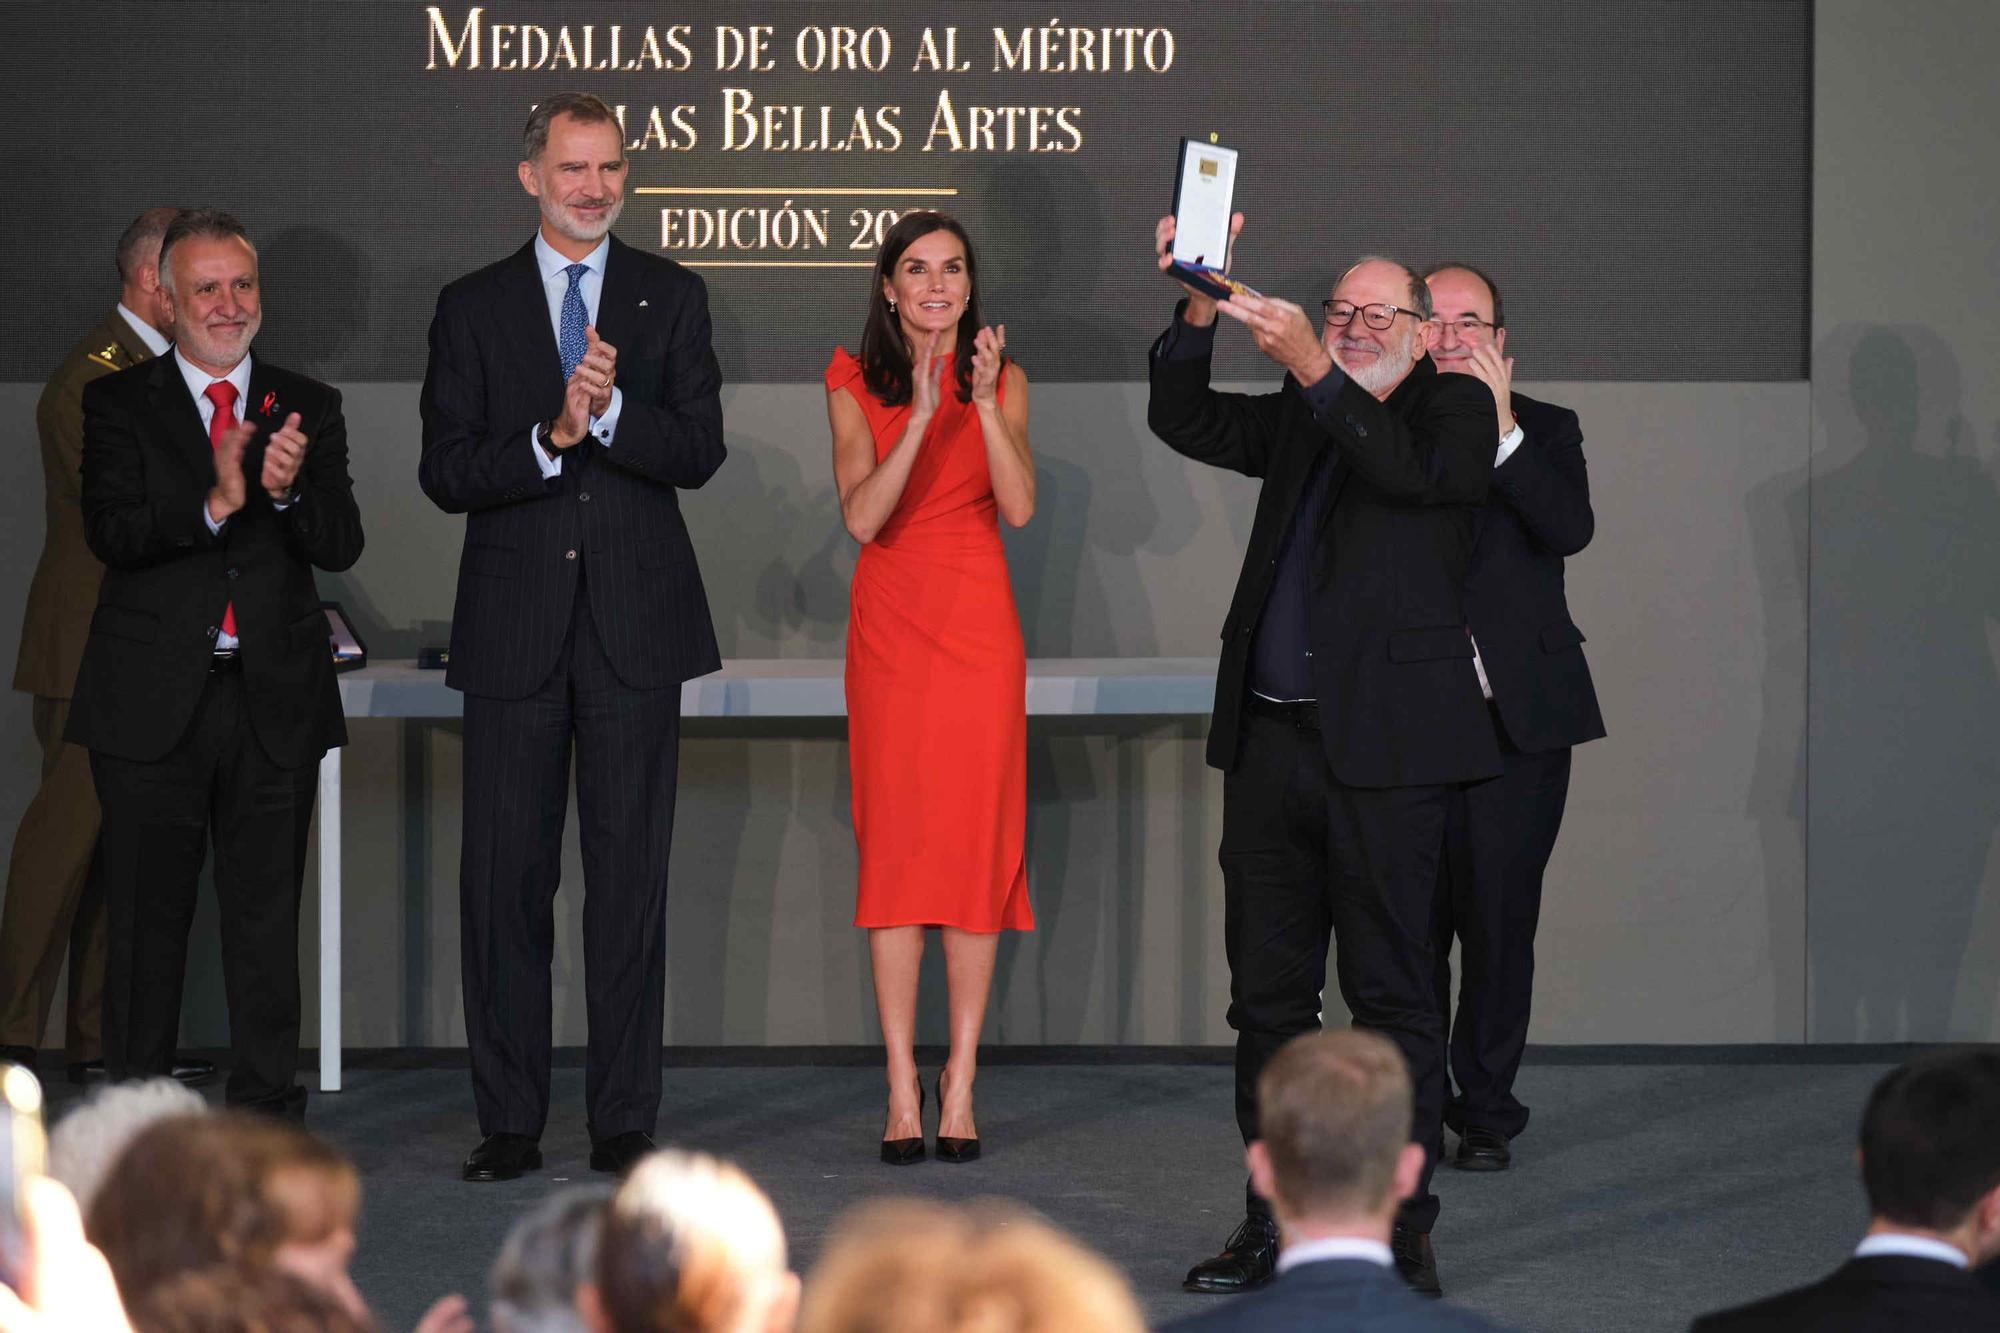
point(892, 307)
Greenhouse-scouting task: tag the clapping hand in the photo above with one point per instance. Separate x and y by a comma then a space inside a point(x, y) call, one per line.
point(1496, 372)
point(598, 368)
point(924, 392)
point(230, 490)
point(988, 346)
point(448, 1315)
point(284, 452)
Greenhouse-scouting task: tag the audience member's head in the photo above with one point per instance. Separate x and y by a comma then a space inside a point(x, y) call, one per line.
point(85, 1143)
point(227, 1299)
point(1930, 1150)
point(551, 1251)
point(230, 1189)
point(1334, 1155)
point(905, 1266)
point(689, 1245)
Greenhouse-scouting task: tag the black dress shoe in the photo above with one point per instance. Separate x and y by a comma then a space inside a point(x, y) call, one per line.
point(1416, 1261)
point(907, 1152)
point(617, 1153)
point(23, 1056)
point(503, 1157)
point(1248, 1260)
point(1482, 1150)
point(952, 1149)
point(187, 1069)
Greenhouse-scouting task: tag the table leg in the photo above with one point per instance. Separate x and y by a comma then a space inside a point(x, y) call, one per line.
point(329, 921)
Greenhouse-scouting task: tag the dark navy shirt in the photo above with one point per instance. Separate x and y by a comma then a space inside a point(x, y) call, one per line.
point(1281, 652)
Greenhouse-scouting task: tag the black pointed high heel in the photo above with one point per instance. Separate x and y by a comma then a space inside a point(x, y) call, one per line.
point(952, 1149)
point(908, 1152)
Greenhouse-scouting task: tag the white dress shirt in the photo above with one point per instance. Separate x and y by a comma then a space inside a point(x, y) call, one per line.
point(198, 381)
point(1911, 1247)
point(156, 342)
point(1335, 1247)
point(1508, 444)
point(555, 286)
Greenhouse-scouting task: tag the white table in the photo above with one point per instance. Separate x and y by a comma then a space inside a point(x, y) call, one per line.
point(1057, 687)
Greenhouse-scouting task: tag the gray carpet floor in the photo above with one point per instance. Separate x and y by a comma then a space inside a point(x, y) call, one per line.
point(1641, 1195)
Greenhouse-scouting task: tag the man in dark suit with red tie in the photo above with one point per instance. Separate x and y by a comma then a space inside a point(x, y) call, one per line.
point(1346, 705)
point(1501, 832)
point(214, 483)
point(572, 395)
point(1930, 1163)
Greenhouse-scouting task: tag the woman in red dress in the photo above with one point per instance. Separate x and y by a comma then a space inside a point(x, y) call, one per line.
point(930, 443)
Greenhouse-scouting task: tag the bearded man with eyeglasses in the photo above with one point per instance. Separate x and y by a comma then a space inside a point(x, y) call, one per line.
point(1346, 707)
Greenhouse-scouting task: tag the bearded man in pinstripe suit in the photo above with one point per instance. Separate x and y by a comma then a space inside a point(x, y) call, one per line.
point(572, 394)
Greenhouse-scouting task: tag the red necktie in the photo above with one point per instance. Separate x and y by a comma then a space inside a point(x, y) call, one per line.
point(223, 394)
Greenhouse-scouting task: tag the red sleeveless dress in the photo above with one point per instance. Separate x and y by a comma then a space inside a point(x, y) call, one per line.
point(937, 727)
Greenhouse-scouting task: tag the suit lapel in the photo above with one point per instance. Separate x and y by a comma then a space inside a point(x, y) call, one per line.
point(529, 305)
point(174, 409)
point(618, 296)
point(264, 409)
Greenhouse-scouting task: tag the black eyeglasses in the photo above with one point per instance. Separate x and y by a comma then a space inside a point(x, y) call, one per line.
point(1470, 325)
point(1378, 315)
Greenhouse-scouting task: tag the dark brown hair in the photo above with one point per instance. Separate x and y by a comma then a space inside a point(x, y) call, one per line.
point(1928, 1147)
point(227, 1299)
point(587, 108)
point(885, 356)
point(224, 1188)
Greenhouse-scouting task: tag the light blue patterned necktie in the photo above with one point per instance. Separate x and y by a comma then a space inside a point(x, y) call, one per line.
point(569, 339)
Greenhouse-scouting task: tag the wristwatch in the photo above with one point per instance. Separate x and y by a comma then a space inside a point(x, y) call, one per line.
point(545, 436)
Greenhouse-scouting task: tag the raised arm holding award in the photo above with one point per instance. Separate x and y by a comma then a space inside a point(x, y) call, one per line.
point(1203, 190)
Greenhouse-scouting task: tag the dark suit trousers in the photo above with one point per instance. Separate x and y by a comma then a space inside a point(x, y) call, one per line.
point(517, 764)
point(1498, 839)
point(1304, 855)
point(157, 820)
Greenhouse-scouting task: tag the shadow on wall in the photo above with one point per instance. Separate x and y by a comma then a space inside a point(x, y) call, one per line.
point(314, 337)
point(1900, 784)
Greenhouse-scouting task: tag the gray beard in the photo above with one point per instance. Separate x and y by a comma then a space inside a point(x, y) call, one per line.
point(1386, 373)
point(565, 227)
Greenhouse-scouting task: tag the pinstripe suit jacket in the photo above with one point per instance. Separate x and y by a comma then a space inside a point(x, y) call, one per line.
point(614, 511)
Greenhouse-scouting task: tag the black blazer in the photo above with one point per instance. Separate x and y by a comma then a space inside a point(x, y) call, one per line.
point(147, 470)
point(1346, 1294)
point(1538, 512)
point(495, 374)
point(1890, 1293)
point(1398, 699)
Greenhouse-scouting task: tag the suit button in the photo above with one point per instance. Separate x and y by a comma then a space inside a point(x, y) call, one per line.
point(569, 555)
point(212, 631)
point(1362, 431)
point(232, 573)
point(585, 496)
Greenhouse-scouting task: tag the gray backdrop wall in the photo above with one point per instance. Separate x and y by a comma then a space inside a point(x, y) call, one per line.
point(1790, 603)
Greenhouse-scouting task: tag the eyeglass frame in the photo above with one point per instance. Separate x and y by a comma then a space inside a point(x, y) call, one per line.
point(1327, 306)
point(1474, 321)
